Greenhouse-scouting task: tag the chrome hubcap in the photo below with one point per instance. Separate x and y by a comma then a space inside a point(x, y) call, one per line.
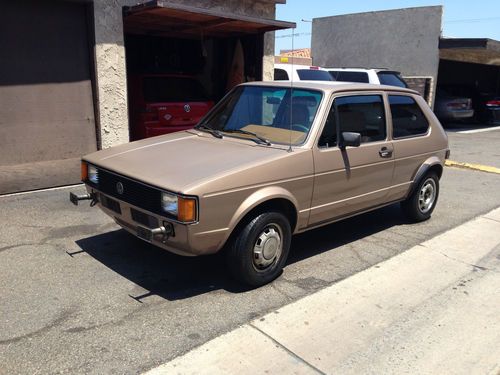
point(427, 196)
point(268, 247)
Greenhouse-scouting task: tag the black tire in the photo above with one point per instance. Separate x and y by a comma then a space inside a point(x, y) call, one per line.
point(244, 262)
point(413, 206)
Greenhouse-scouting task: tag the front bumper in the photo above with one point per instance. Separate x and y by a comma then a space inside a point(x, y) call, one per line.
point(148, 226)
point(458, 114)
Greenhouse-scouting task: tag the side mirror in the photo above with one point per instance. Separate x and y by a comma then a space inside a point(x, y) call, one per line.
point(350, 139)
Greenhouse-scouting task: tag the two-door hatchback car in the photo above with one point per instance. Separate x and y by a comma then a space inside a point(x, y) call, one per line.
point(270, 160)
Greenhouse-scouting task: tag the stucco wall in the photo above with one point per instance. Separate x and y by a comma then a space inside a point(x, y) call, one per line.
point(403, 39)
point(110, 58)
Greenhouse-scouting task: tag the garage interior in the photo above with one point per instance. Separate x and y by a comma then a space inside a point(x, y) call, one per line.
point(470, 68)
point(166, 38)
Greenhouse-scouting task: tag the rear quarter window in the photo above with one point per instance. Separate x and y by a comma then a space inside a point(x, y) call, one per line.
point(408, 120)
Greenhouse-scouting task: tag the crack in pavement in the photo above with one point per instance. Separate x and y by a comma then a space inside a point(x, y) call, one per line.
point(63, 316)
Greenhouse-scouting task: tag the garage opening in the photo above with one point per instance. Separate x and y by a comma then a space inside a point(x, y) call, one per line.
point(469, 69)
point(183, 59)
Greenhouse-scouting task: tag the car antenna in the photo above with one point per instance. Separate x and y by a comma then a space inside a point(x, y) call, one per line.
point(291, 96)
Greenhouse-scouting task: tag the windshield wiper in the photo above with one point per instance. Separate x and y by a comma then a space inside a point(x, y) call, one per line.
point(259, 139)
point(214, 132)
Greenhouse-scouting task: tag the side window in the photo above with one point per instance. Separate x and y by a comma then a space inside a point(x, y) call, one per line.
point(352, 77)
point(328, 137)
point(362, 114)
point(280, 75)
point(407, 118)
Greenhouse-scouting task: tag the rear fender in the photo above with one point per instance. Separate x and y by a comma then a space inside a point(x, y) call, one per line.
point(422, 171)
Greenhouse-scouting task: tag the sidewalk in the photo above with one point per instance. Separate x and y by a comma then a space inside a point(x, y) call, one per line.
point(434, 309)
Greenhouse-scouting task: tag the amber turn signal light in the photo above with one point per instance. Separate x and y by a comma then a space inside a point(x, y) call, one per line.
point(186, 209)
point(84, 171)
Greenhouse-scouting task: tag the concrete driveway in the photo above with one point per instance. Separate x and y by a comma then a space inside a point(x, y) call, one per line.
point(79, 295)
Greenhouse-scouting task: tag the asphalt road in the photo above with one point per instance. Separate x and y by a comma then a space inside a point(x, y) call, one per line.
point(79, 295)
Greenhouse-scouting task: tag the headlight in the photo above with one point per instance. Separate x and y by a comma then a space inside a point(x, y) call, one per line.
point(169, 203)
point(93, 174)
point(184, 209)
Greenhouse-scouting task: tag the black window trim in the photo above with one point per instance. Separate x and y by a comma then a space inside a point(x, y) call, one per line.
point(336, 95)
point(392, 124)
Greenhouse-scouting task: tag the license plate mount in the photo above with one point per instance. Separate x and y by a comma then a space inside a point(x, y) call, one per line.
point(144, 234)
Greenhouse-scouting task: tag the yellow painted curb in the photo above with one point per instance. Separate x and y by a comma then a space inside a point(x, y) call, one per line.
point(476, 167)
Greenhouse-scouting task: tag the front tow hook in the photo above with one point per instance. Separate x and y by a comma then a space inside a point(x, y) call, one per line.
point(75, 198)
point(163, 233)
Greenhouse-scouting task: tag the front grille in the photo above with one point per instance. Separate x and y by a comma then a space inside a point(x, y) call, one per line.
point(132, 192)
point(144, 219)
point(110, 203)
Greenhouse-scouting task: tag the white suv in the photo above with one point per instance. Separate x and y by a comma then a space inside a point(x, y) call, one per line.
point(363, 75)
point(285, 72)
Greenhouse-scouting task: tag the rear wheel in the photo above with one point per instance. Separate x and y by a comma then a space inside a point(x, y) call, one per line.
point(420, 204)
point(259, 250)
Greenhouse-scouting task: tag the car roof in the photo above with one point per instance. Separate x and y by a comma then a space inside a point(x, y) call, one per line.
point(359, 69)
point(286, 66)
point(351, 69)
point(330, 86)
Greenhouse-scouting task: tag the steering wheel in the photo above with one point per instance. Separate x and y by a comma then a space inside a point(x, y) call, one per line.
point(301, 128)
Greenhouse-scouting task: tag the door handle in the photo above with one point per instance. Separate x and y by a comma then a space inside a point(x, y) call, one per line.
point(385, 152)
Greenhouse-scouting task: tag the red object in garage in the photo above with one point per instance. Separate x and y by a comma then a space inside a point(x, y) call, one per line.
point(165, 103)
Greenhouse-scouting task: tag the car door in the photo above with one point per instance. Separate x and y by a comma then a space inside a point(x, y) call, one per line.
point(352, 179)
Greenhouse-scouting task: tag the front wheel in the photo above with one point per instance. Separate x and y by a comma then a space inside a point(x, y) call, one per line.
point(259, 250)
point(420, 204)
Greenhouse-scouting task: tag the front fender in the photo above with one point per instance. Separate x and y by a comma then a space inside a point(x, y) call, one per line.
point(257, 198)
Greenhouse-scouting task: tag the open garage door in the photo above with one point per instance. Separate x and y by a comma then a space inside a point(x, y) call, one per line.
point(46, 102)
point(162, 18)
point(172, 48)
point(470, 68)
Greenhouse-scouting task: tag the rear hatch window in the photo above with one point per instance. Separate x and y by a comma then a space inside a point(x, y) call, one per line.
point(391, 79)
point(172, 89)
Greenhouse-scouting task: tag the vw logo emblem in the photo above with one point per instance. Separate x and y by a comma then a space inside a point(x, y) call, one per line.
point(119, 188)
point(187, 108)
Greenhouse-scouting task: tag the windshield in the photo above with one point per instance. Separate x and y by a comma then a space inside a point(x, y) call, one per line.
point(266, 112)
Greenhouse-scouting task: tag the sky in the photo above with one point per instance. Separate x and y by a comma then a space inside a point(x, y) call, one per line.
point(461, 18)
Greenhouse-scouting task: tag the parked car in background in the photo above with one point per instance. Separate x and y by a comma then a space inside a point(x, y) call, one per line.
point(448, 107)
point(492, 109)
point(165, 103)
point(363, 75)
point(270, 160)
point(486, 105)
point(287, 72)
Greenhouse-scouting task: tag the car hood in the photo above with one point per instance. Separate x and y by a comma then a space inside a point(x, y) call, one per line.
point(181, 161)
